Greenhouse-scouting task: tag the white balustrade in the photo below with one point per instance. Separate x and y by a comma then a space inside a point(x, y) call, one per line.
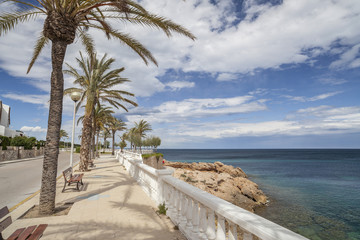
point(194, 210)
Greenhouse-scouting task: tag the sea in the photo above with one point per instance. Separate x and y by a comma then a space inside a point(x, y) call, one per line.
point(314, 192)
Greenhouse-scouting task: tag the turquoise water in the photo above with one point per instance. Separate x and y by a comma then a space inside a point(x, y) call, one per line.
point(313, 192)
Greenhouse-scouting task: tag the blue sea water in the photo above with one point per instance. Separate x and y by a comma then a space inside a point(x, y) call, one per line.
point(315, 192)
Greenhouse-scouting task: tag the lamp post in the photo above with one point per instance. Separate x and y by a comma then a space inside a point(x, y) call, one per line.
point(75, 96)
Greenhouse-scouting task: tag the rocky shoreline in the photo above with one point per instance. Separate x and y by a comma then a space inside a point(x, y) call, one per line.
point(223, 181)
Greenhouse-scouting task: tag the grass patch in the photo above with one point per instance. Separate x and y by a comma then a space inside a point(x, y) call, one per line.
point(158, 155)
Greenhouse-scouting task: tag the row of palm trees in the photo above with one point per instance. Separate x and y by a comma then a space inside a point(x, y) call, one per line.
point(97, 82)
point(65, 21)
point(136, 134)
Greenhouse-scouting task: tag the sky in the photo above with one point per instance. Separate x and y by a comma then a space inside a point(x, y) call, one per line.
point(261, 74)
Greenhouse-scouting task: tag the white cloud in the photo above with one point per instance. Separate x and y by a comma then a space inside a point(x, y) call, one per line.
point(177, 85)
point(311, 99)
point(284, 34)
point(173, 111)
point(34, 99)
point(318, 121)
point(332, 81)
point(349, 59)
point(223, 77)
point(32, 129)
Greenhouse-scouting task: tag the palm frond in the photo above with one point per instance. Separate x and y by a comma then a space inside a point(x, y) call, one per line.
point(39, 46)
point(8, 21)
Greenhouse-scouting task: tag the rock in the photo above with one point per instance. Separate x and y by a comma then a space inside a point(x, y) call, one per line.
point(215, 167)
point(223, 181)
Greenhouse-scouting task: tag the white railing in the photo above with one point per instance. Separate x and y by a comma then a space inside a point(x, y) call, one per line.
point(198, 214)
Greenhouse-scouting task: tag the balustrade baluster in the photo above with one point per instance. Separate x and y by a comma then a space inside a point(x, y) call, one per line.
point(202, 222)
point(210, 229)
point(232, 231)
point(195, 220)
point(189, 216)
point(177, 207)
point(247, 236)
point(183, 211)
point(221, 232)
point(171, 203)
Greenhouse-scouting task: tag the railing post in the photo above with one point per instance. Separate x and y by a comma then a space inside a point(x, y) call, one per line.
point(160, 183)
point(210, 229)
point(183, 211)
point(247, 236)
point(221, 232)
point(195, 220)
point(202, 223)
point(189, 216)
point(177, 214)
point(233, 231)
point(171, 207)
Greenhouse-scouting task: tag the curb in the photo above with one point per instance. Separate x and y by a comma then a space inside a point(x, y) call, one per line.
point(22, 160)
point(33, 195)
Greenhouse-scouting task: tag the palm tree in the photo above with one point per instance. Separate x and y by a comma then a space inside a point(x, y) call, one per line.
point(65, 20)
point(142, 127)
point(63, 134)
point(97, 82)
point(105, 134)
point(115, 125)
point(101, 115)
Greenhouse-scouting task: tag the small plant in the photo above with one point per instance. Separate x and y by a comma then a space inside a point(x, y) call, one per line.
point(183, 175)
point(162, 209)
point(77, 150)
point(158, 155)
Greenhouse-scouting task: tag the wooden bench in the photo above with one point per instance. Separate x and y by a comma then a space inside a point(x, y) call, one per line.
point(28, 233)
point(70, 178)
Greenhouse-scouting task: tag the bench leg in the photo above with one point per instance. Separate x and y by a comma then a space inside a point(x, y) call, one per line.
point(64, 187)
point(77, 186)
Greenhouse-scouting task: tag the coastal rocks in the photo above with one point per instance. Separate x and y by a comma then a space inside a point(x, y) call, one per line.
point(223, 181)
point(213, 167)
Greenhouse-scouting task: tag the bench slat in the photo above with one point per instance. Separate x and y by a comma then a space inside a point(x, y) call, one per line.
point(38, 232)
point(4, 211)
point(25, 234)
point(16, 234)
point(5, 223)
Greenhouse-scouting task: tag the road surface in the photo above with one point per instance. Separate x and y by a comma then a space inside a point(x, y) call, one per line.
point(19, 180)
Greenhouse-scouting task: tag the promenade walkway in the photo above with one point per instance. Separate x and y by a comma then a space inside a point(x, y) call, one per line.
point(110, 205)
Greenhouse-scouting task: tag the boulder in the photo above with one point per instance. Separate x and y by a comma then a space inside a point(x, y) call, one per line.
point(223, 181)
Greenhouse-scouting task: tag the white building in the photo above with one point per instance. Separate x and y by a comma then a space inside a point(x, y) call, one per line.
point(5, 122)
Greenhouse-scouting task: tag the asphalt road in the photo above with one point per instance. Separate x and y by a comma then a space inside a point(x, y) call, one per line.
point(19, 180)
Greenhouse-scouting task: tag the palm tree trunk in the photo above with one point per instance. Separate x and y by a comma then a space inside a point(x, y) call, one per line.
point(113, 145)
point(85, 143)
point(97, 144)
point(48, 180)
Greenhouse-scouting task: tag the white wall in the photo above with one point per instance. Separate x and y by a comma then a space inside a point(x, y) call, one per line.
point(5, 116)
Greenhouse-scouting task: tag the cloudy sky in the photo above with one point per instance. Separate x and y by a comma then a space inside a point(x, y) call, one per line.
point(261, 74)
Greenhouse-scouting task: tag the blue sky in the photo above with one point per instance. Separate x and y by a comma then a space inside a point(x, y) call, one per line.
point(261, 74)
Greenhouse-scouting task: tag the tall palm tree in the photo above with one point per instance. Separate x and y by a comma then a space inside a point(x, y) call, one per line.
point(65, 20)
point(97, 82)
point(63, 134)
point(102, 115)
point(105, 134)
point(142, 127)
point(115, 125)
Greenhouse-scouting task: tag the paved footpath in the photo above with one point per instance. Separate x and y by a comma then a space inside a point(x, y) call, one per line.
point(110, 205)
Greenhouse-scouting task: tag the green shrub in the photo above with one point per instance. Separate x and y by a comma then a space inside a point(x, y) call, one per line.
point(5, 141)
point(77, 150)
point(162, 209)
point(158, 155)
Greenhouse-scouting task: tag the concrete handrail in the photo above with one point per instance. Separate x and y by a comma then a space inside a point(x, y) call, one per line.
point(194, 210)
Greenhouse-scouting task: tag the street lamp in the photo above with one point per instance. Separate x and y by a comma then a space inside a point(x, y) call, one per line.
point(75, 96)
